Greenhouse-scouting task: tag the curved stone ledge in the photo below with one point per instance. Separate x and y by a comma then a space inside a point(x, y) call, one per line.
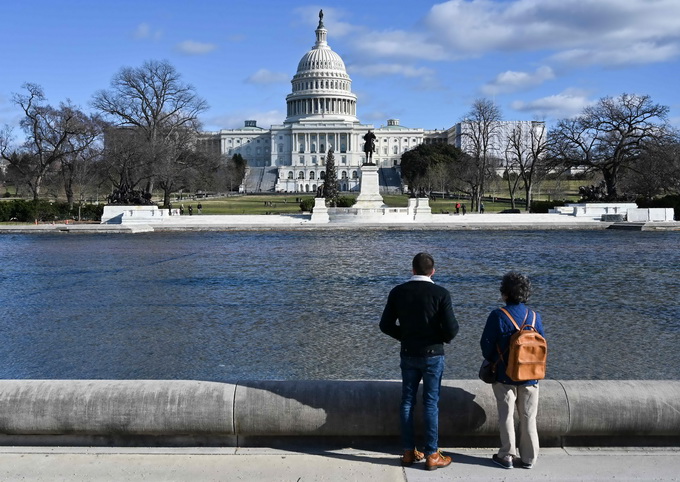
point(278, 409)
point(102, 407)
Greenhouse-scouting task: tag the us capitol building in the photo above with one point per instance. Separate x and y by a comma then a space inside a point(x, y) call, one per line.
point(322, 113)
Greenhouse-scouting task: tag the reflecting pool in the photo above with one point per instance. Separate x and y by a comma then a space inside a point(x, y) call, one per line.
point(306, 305)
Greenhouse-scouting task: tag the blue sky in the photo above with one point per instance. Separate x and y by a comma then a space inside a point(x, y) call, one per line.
point(420, 61)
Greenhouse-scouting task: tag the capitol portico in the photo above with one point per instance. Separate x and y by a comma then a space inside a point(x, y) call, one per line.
point(321, 113)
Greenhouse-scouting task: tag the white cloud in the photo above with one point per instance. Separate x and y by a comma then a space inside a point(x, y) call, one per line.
point(237, 119)
point(511, 81)
point(612, 31)
point(399, 44)
point(377, 115)
point(377, 70)
point(563, 105)
point(264, 76)
point(636, 54)
point(190, 47)
point(144, 31)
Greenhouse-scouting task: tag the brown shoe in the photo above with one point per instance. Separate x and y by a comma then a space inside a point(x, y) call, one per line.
point(411, 456)
point(437, 460)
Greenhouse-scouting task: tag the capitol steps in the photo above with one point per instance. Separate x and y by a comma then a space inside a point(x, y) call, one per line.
point(390, 180)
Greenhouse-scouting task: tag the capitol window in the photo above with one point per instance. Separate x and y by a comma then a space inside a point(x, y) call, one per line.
point(311, 176)
point(355, 175)
point(290, 174)
point(301, 175)
point(344, 175)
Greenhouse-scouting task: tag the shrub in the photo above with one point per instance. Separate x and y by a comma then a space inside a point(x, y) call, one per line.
point(544, 206)
point(307, 204)
point(345, 202)
point(90, 212)
point(670, 201)
point(27, 211)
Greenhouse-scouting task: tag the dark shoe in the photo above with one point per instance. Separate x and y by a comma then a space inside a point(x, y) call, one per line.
point(437, 460)
point(411, 456)
point(520, 464)
point(505, 462)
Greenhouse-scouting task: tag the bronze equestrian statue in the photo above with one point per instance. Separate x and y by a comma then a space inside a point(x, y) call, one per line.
point(369, 147)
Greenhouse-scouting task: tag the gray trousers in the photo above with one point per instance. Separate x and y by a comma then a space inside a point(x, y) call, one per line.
point(526, 398)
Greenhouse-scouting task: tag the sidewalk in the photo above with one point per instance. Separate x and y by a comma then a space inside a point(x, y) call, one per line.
point(261, 464)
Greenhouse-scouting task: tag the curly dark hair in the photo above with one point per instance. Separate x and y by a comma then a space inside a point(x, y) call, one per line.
point(516, 287)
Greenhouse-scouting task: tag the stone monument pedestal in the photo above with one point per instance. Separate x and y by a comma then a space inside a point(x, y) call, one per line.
point(369, 193)
point(320, 211)
point(121, 214)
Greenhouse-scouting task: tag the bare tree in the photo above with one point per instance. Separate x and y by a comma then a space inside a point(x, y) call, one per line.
point(480, 129)
point(526, 154)
point(153, 101)
point(656, 171)
point(78, 169)
point(609, 136)
point(52, 135)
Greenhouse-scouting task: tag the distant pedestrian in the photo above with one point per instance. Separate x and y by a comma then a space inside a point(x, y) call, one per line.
point(181, 209)
point(200, 208)
point(457, 208)
point(191, 210)
point(462, 206)
point(481, 208)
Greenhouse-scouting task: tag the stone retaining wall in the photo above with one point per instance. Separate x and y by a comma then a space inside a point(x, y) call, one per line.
point(197, 413)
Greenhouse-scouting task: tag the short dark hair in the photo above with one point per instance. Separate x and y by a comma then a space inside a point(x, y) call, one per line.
point(423, 264)
point(516, 287)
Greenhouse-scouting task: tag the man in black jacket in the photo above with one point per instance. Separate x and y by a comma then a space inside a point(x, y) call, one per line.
point(425, 322)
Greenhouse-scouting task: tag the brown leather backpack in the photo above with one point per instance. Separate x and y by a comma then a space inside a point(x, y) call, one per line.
point(527, 353)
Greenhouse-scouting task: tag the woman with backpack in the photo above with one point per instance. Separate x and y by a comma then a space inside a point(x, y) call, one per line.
point(512, 386)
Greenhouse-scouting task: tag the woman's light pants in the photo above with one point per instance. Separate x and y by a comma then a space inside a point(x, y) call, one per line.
point(526, 398)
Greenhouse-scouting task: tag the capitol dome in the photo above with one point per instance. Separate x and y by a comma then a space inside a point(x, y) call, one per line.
point(321, 88)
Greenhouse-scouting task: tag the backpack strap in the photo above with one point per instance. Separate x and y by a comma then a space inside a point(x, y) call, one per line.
point(507, 313)
point(533, 318)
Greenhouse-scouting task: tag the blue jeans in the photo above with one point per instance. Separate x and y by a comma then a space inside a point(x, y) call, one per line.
point(429, 369)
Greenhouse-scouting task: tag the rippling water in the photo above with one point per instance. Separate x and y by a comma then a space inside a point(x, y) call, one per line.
point(306, 305)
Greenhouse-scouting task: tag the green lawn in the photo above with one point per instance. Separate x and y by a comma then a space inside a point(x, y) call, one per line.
point(286, 203)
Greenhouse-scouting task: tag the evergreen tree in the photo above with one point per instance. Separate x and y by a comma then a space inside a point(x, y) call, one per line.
point(330, 187)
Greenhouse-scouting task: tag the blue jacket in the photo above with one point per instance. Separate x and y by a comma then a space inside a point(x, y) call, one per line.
point(498, 330)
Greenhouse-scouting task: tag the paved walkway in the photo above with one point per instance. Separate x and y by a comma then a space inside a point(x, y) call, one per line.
point(257, 464)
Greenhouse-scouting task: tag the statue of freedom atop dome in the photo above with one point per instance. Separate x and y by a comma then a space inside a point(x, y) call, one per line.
point(369, 146)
